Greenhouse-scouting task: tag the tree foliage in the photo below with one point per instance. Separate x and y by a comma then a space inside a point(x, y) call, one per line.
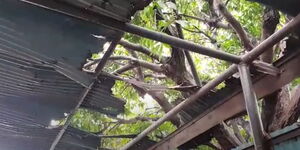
point(201, 23)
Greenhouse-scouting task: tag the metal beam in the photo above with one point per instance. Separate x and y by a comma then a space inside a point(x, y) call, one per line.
point(86, 91)
point(108, 22)
point(247, 58)
point(205, 89)
point(220, 112)
point(68, 121)
point(252, 107)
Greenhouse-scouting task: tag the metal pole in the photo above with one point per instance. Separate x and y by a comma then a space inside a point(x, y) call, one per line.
point(180, 43)
point(204, 90)
point(107, 54)
point(68, 121)
point(99, 68)
point(252, 107)
point(247, 58)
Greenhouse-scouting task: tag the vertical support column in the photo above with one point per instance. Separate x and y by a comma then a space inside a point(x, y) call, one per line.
point(252, 107)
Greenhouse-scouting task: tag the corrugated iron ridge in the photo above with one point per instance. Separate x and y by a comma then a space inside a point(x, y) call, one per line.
point(118, 9)
point(29, 76)
point(18, 66)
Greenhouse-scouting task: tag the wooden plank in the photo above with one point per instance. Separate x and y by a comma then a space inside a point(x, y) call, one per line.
point(232, 105)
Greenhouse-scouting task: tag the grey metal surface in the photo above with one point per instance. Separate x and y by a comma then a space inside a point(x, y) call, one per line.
point(98, 97)
point(117, 9)
point(41, 55)
point(24, 126)
point(133, 29)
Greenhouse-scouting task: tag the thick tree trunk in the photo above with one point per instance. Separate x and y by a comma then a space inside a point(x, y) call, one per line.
point(279, 108)
point(274, 106)
point(270, 21)
point(286, 110)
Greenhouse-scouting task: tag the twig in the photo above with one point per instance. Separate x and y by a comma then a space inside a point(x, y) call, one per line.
point(211, 22)
point(201, 32)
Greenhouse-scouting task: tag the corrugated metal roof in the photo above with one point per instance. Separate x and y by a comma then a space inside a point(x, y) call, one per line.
point(24, 125)
point(117, 9)
point(99, 98)
point(212, 98)
point(41, 56)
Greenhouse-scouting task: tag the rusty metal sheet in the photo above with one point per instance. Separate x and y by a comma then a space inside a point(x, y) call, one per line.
point(233, 103)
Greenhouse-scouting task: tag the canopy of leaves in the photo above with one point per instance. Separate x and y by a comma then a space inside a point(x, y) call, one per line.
point(198, 22)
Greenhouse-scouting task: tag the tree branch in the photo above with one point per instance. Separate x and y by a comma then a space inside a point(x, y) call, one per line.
point(123, 69)
point(270, 21)
point(186, 53)
point(142, 63)
point(237, 131)
point(155, 76)
point(211, 22)
point(139, 68)
point(130, 46)
point(201, 32)
point(134, 120)
point(165, 105)
point(234, 24)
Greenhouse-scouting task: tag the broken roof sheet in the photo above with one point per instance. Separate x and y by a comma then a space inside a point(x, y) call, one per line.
point(41, 56)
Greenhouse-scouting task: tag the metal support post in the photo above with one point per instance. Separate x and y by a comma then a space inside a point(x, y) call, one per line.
point(252, 107)
point(86, 91)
